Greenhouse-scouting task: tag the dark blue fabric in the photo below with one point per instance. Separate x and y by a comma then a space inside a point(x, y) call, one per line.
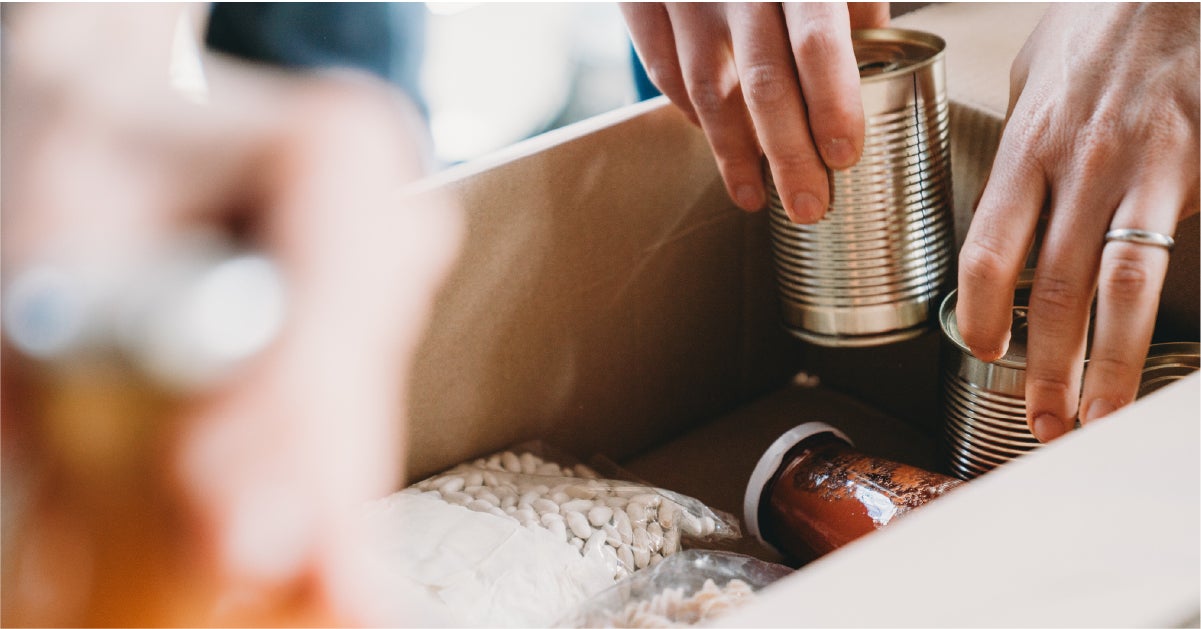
point(386, 39)
point(642, 82)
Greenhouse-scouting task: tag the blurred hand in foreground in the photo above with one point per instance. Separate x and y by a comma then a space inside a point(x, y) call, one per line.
point(234, 505)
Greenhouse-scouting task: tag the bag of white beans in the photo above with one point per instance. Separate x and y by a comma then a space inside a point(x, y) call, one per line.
point(523, 536)
point(688, 588)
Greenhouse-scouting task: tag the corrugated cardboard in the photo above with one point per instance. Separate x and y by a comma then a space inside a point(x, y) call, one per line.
point(610, 299)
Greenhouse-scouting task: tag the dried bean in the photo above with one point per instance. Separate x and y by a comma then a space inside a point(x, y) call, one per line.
point(542, 505)
point(576, 505)
point(598, 516)
point(578, 524)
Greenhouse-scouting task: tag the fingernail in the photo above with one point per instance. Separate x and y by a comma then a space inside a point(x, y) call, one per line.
point(1097, 409)
point(806, 208)
point(747, 197)
point(839, 153)
point(1047, 427)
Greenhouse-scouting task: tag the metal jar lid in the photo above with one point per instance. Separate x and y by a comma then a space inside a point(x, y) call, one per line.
point(883, 53)
point(1167, 363)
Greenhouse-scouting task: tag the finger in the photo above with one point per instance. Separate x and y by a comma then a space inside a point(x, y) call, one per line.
point(650, 30)
point(1060, 302)
point(713, 87)
point(996, 246)
point(1131, 279)
point(333, 224)
point(825, 60)
point(773, 98)
point(868, 14)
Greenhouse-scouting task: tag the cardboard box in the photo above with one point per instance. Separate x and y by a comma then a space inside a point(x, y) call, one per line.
point(611, 299)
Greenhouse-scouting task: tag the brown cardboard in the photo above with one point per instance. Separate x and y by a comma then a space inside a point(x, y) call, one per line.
point(610, 299)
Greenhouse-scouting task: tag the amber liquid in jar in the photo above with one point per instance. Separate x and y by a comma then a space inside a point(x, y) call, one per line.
point(826, 495)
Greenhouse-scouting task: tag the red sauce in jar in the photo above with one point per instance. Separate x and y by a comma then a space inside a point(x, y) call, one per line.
point(825, 494)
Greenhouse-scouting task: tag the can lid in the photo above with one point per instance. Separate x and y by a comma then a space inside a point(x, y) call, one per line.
point(1015, 356)
point(770, 463)
point(886, 52)
point(1167, 363)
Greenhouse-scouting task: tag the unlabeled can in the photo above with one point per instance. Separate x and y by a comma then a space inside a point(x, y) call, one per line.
point(812, 492)
point(984, 404)
point(872, 270)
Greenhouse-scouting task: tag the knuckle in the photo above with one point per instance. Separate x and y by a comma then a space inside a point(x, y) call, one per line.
point(1109, 366)
point(1053, 298)
point(1125, 276)
point(981, 261)
point(709, 96)
point(766, 85)
point(816, 41)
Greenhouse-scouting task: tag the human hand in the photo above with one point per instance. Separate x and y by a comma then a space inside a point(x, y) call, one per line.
point(774, 79)
point(1102, 134)
point(236, 505)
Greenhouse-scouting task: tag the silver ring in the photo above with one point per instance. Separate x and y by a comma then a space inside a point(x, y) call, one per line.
point(1141, 237)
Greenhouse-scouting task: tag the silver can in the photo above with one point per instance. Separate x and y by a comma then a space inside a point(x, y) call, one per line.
point(984, 404)
point(872, 270)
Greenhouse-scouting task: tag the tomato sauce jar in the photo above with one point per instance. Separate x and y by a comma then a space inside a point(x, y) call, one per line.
point(812, 492)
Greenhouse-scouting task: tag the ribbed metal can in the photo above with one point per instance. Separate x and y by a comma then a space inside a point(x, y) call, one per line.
point(872, 270)
point(984, 404)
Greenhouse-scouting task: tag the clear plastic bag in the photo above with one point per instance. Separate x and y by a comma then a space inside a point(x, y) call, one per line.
point(629, 525)
point(688, 588)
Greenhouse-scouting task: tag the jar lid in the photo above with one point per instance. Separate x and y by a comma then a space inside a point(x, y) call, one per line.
point(770, 463)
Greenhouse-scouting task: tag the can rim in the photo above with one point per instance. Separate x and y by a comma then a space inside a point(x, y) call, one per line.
point(934, 42)
point(946, 312)
point(770, 463)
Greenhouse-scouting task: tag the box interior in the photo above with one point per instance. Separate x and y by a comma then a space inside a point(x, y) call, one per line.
point(610, 299)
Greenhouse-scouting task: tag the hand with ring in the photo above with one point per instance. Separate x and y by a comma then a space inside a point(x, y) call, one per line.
point(1102, 139)
point(763, 79)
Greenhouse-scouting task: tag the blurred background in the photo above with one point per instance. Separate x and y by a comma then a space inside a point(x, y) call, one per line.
point(495, 73)
point(486, 74)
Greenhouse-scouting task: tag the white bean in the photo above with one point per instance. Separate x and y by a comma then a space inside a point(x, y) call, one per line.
point(616, 502)
point(583, 471)
point(450, 484)
point(457, 498)
point(655, 533)
point(577, 543)
point(479, 505)
point(642, 558)
point(611, 535)
point(549, 469)
point(489, 498)
point(525, 514)
point(542, 505)
point(490, 479)
point(598, 516)
point(648, 500)
point(580, 491)
point(578, 524)
point(637, 513)
point(595, 543)
point(623, 526)
point(548, 518)
point(671, 542)
point(655, 559)
point(510, 461)
point(559, 529)
point(576, 505)
point(641, 539)
point(668, 513)
point(626, 557)
point(475, 479)
point(529, 463)
point(690, 524)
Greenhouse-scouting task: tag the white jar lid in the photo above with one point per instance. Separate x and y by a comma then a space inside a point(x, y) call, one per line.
point(770, 463)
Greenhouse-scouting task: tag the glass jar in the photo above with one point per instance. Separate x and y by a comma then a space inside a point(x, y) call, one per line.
point(812, 492)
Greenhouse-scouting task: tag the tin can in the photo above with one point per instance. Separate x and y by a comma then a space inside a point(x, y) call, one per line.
point(984, 404)
point(812, 492)
point(1167, 363)
point(872, 270)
